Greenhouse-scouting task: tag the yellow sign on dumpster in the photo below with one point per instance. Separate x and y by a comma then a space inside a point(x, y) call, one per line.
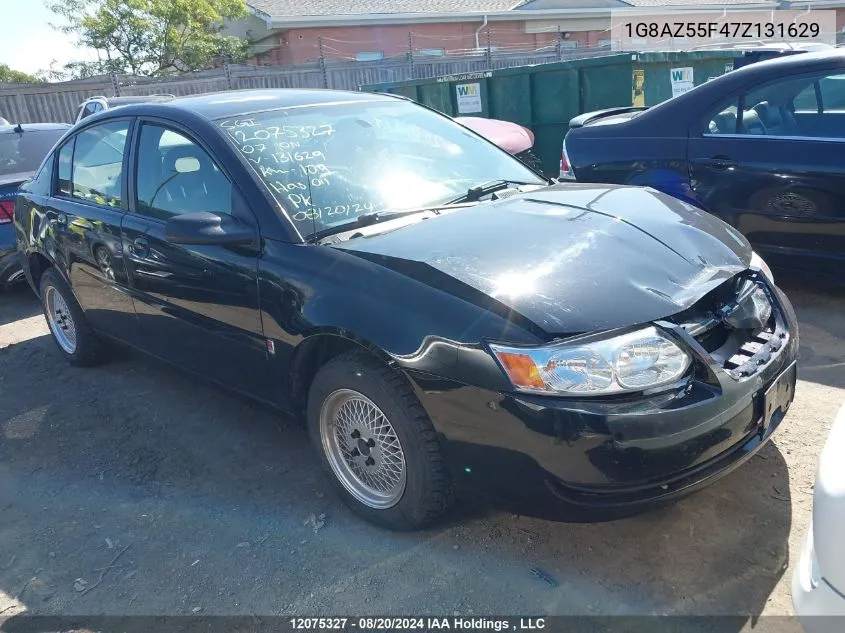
point(638, 87)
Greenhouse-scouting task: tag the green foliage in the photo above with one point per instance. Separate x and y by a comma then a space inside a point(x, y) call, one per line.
point(7, 75)
point(151, 37)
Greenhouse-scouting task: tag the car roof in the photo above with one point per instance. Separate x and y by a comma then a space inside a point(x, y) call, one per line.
point(138, 99)
point(797, 63)
point(738, 79)
point(129, 99)
point(787, 64)
point(216, 105)
point(26, 127)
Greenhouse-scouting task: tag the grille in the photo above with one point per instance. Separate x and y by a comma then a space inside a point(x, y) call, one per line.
point(740, 351)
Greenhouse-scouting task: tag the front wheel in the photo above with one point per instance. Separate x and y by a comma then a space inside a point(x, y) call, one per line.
point(377, 443)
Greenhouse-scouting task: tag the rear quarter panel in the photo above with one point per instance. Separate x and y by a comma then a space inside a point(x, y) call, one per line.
point(623, 154)
point(647, 150)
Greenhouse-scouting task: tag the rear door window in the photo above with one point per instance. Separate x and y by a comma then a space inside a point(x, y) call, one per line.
point(806, 100)
point(832, 89)
point(808, 106)
point(97, 165)
point(66, 167)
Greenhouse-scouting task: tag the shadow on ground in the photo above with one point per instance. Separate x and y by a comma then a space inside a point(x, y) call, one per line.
point(819, 312)
point(18, 302)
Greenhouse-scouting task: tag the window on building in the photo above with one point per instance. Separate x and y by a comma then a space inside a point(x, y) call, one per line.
point(430, 52)
point(369, 56)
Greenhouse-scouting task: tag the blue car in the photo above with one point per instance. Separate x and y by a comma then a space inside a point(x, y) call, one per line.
point(22, 148)
point(760, 147)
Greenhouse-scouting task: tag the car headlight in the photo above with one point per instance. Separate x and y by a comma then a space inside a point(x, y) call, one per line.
point(757, 263)
point(631, 362)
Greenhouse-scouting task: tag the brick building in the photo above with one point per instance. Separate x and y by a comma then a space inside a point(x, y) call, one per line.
point(291, 31)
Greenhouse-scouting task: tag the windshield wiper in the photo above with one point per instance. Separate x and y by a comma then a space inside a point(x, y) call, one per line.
point(368, 219)
point(477, 192)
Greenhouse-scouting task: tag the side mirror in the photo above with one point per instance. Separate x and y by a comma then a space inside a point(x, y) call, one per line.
point(207, 229)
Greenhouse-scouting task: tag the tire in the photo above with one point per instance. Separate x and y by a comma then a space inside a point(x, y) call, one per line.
point(68, 326)
point(417, 490)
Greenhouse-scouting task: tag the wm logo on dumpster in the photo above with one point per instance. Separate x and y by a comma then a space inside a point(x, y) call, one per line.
point(681, 74)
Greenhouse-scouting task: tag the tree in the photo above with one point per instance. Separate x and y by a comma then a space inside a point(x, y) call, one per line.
point(152, 37)
point(7, 75)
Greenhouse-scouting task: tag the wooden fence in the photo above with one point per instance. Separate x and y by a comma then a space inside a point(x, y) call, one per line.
point(32, 103)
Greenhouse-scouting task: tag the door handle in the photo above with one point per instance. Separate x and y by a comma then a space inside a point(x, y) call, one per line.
point(716, 162)
point(141, 247)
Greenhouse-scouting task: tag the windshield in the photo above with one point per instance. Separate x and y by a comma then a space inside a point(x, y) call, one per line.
point(328, 164)
point(23, 152)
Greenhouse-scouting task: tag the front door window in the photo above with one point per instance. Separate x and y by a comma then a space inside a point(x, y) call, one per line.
point(175, 175)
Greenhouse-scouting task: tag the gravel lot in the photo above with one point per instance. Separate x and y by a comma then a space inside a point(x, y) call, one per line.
point(219, 503)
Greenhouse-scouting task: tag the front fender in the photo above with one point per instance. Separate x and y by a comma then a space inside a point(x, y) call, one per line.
point(309, 291)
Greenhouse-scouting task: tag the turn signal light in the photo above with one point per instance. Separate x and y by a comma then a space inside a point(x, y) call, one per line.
point(522, 371)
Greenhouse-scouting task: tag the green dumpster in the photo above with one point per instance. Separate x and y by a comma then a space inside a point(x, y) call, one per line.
point(545, 97)
point(669, 74)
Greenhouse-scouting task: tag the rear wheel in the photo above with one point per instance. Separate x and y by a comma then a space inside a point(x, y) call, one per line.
point(377, 444)
point(71, 332)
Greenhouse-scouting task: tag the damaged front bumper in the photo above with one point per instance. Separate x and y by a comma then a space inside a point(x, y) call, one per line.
point(602, 458)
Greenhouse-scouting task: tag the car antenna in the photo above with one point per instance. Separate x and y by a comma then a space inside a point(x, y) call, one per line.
point(19, 128)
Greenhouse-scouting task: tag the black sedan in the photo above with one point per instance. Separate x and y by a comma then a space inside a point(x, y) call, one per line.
point(443, 318)
point(762, 147)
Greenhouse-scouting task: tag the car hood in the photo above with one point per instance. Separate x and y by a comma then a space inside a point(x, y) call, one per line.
point(568, 258)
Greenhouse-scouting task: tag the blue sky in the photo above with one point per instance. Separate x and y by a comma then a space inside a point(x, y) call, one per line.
point(30, 43)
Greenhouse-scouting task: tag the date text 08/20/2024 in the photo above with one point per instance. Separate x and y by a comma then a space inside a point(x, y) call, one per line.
point(417, 624)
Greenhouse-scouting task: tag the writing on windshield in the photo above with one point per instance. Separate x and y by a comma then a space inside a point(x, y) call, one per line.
point(326, 165)
point(292, 161)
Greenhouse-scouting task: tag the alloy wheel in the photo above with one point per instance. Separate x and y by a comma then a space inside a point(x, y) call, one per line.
point(363, 449)
point(60, 320)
